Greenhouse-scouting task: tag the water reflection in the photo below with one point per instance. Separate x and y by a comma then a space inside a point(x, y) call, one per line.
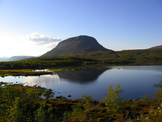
point(136, 81)
point(151, 68)
point(44, 80)
point(83, 75)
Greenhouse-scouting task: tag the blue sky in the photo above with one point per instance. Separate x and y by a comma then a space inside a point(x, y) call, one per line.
point(33, 27)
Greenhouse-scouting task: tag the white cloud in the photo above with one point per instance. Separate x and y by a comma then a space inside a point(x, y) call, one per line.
point(14, 44)
point(41, 38)
point(52, 44)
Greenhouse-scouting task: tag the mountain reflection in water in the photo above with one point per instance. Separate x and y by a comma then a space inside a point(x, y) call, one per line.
point(136, 81)
point(83, 75)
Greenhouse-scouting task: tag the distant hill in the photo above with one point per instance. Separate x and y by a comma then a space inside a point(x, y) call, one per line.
point(156, 47)
point(154, 53)
point(4, 59)
point(17, 58)
point(84, 46)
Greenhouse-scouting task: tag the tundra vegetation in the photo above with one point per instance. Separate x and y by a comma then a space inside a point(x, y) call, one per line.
point(22, 103)
point(41, 63)
point(125, 58)
point(27, 66)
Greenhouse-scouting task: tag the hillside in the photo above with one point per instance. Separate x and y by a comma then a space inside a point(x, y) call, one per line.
point(154, 54)
point(156, 47)
point(83, 46)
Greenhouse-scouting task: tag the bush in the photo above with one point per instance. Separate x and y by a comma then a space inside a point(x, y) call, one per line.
point(114, 101)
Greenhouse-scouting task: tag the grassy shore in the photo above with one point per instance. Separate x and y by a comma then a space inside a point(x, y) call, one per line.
point(22, 72)
point(24, 103)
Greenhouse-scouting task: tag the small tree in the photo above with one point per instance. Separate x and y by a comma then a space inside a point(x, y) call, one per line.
point(16, 112)
point(78, 112)
point(158, 94)
point(114, 101)
point(158, 84)
point(48, 94)
point(87, 102)
point(44, 113)
point(146, 99)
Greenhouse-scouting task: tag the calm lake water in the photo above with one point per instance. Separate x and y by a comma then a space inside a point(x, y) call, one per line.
point(136, 81)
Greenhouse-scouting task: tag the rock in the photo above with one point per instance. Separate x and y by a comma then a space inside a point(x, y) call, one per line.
point(63, 98)
point(50, 89)
point(69, 96)
point(58, 97)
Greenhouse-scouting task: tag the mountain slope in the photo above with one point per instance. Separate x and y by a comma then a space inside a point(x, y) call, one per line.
point(154, 53)
point(157, 47)
point(80, 46)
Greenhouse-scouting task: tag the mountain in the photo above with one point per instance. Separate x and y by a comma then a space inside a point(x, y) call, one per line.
point(156, 47)
point(17, 58)
point(4, 59)
point(84, 46)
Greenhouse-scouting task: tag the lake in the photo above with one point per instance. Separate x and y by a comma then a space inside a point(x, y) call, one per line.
point(136, 81)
